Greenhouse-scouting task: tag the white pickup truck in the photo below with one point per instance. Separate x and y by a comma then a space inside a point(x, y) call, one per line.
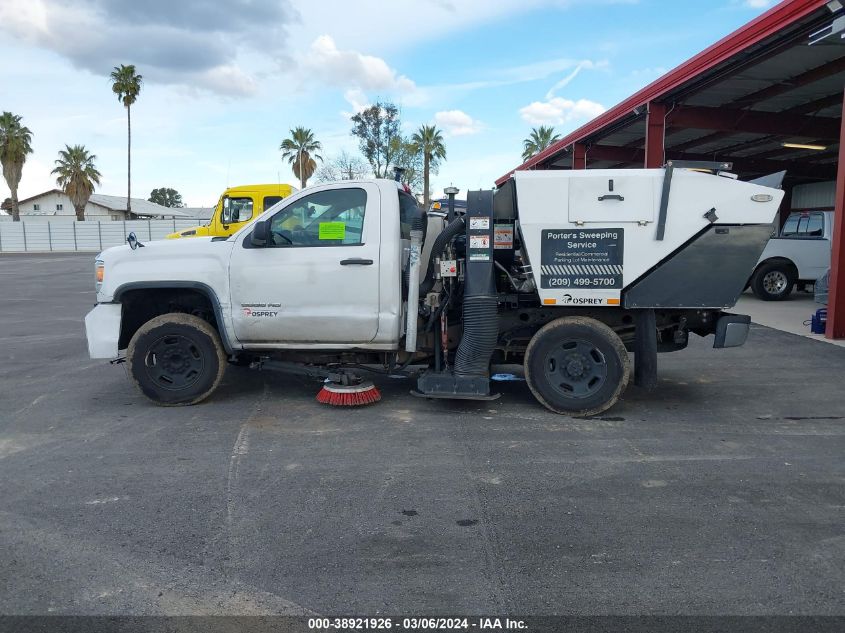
point(799, 253)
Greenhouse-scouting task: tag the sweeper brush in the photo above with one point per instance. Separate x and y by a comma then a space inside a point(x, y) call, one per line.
point(339, 395)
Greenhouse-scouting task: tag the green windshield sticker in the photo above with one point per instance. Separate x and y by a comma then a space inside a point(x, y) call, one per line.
point(332, 230)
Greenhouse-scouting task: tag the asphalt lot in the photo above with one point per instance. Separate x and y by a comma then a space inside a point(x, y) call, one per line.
point(721, 493)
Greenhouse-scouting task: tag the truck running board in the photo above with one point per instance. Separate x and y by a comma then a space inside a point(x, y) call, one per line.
point(454, 396)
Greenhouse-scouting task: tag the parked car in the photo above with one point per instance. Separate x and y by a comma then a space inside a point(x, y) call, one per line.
point(800, 253)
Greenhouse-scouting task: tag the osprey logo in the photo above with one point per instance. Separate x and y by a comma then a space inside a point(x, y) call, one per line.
point(580, 301)
point(250, 313)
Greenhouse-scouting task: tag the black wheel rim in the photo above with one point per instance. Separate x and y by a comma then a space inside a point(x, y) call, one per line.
point(174, 362)
point(576, 368)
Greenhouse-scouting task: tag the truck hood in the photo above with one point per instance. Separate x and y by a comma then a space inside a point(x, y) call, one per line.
point(153, 248)
point(162, 261)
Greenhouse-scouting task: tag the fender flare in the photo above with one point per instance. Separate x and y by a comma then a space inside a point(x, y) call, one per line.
point(202, 288)
point(780, 259)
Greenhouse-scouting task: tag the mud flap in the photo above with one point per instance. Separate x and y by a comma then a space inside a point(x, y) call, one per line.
point(732, 330)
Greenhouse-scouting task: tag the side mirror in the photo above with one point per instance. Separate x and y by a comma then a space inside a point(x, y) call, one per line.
point(133, 242)
point(260, 236)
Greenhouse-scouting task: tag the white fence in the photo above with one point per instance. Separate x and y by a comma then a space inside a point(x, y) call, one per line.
point(64, 236)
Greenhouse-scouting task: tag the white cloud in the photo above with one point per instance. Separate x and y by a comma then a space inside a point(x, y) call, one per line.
point(589, 65)
point(350, 69)
point(192, 44)
point(558, 110)
point(406, 23)
point(434, 94)
point(228, 79)
point(358, 100)
point(759, 4)
point(457, 123)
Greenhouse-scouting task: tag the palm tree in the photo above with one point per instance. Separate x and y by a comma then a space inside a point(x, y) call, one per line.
point(429, 141)
point(126, 84)
point(540, 139)
point(76, 175)
point(300, 150)
point(15, 144)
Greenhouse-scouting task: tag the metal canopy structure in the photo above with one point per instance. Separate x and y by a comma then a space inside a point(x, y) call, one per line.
point(767, 98)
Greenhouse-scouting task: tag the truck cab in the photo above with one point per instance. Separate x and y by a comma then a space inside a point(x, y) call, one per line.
point(236, 207)
point(799, 253)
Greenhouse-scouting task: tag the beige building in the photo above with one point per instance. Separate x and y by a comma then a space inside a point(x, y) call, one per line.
point(56, 205)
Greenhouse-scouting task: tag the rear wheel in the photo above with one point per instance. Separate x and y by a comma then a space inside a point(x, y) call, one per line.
point(577, 366)
point(773, 281)
point(176, 359)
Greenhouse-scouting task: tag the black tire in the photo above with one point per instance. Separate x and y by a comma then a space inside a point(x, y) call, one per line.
point(577, 366)
point(773, 281)
point(176, 359)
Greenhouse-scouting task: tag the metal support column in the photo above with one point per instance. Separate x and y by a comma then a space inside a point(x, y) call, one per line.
point(836, 298)
point(645, 350)
point(655, 133)
point(579, 156)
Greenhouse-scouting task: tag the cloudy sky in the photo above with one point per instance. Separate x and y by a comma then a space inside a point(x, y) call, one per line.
point(224, 81)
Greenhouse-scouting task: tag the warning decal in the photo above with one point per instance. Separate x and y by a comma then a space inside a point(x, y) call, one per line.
point(581, 258)
point(332, 231)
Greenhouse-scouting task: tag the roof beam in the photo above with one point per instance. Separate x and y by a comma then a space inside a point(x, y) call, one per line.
point(754, 122)
point(811, 76)
point(804, 108)
point(635, 156)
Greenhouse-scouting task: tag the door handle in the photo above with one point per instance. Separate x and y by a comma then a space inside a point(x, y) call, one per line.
point(356, 262)
point(611, 196)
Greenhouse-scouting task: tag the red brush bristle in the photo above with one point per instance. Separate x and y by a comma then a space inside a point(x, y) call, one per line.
point(341, 398)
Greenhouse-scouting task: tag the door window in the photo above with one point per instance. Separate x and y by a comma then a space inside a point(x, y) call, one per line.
point(804, 225)
point(236, 210)
point(325, 218)
point(815, 225)
point(407, 211)
point(269, 201)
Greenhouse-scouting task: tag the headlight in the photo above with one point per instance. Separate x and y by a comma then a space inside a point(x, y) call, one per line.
point(100, 273)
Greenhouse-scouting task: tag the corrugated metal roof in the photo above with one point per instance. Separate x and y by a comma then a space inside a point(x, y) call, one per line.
point(139, 205)
point(730, 52)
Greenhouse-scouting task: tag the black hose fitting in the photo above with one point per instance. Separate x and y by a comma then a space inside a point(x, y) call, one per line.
point(446, 236)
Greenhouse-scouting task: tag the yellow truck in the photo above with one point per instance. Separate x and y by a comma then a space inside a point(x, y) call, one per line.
point(236, 207)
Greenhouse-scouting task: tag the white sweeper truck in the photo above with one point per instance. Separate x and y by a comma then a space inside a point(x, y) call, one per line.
point(563, 272)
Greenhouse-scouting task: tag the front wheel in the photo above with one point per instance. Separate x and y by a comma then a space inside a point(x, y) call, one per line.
point(176, 359)
point(577, 366)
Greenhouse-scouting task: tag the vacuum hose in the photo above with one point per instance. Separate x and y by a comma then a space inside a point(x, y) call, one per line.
point(446, 235)
point(481, 331)
point(480, 317)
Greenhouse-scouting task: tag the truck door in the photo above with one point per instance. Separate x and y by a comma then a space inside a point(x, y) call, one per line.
point(808, 246)
point(236, 211)
point(318, 281)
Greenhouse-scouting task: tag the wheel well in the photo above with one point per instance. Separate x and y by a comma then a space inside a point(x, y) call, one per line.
point(785, 261)
point(142, 304)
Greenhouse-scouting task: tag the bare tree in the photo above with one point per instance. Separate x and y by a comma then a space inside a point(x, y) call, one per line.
point(344, 166)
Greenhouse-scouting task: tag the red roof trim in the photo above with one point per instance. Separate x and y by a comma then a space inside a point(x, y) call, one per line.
point(761, 27)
